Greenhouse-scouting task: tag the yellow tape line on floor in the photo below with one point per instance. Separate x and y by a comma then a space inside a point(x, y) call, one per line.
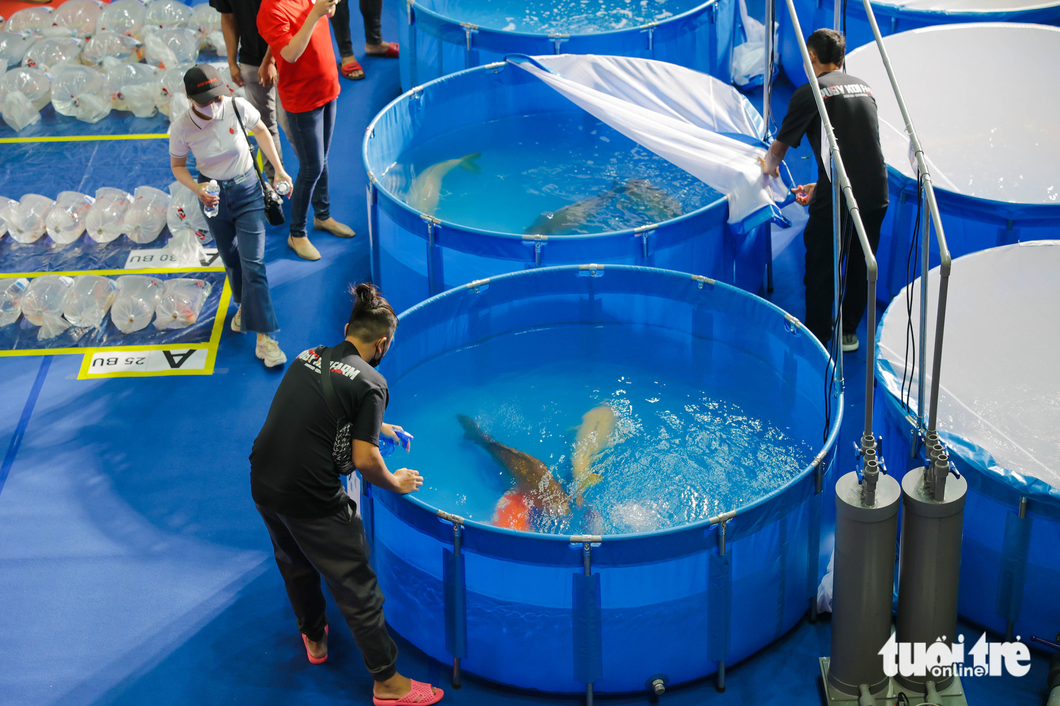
point(81, 138)
point(111, 273)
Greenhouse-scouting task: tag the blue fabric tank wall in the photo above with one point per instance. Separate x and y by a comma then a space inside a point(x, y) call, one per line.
point(669, 602)
point(434, 45)
point(891, 19)
point(413, 258)
point(1010, 569)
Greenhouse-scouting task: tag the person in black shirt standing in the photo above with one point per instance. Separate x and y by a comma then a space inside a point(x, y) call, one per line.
point(852, 112)
point(315, 432)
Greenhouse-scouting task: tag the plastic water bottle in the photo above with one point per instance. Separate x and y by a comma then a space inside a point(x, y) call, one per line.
point(283, 188)
point(213, 190)
point(387, 445)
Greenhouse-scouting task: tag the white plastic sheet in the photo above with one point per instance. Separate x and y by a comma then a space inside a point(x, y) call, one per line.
point(66, 220)
point(43, 303)
point(11, 293)
point(989, 129)
point(13, 48)
point(106, 48)
point(123, 17)
point(136, 302)
point(50, 53)
point(132, 87)
point(749, 58)
point(146, 217)
point(104, 220)
point(181, 303)
point(79, 15)
point(166, 48)
point(30, 21)
point(680, 115)
point(77, 92)
point(89, 300)
point(25, 219)
point(167, 14)
point(1000, 380)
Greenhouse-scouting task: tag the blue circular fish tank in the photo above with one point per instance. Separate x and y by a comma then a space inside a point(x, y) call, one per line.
point(440, 37)
point(490, 171)
point(670, 439)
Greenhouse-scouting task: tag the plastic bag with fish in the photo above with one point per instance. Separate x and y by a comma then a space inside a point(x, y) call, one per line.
point(167, 14)
point(123, 17)
point(48, 54)
point(105, 218)
point(146, 217)
point(12, 48)
point(80, 16)
point(185, 215)
point(30, 21)
point(90, 298)
point(77, 92)
point(106, 49)
point(166, 48)
point(5, 202)
point(11, 293)
point(25, 219)
point(132, 87)
point(225, 75)
point(207, 20)
point(137, 299)
point(181, 303)
point(66, 220)
point(23, 92)
point(170, 85)
point(43, 303)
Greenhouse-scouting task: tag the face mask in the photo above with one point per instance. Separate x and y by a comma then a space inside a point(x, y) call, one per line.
point(378, 357)
point(206, 110)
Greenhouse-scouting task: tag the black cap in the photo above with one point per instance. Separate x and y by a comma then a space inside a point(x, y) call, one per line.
point(202, 84)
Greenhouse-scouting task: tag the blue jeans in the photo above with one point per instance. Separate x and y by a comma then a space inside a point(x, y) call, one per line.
point(239, 231)
point(311, 138)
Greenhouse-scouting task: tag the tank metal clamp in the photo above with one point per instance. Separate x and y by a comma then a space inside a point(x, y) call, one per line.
point(580, 539)
point(450, 517)
point(701, 281)
point(590, 270)
point(479, 285)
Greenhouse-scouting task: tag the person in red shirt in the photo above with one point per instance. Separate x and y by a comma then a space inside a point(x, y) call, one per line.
point(308, 85)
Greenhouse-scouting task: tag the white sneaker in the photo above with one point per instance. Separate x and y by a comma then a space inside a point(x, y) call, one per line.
point(237, 320)
point(269, 351)
point(850, 342)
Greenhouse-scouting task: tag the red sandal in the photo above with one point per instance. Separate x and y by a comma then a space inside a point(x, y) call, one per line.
point(312, 659)
point(390, 53)
point(353, 71)
point(421, 695)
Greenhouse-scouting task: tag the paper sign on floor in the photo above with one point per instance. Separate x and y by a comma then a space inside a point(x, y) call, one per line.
point(162, 259)
point(187, 361)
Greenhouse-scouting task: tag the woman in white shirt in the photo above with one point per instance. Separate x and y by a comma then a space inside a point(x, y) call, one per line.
point(211, 132)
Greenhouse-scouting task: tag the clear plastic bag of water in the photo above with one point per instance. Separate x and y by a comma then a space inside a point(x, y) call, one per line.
point(132, 87)
point(66, 220)
point(181, 303)
point(89, 300)
point(146, 217)
point(25, 219)
point(185, 214)
point(216, 42)
point(18, 112)
point(104, 220)
point(11, 293)
point(43, 303)
point(123, 17)
point(166, 48)
point(48, 54)
point(23, 92)
point(12, 48)
point(30, 21)
point(5, 202)
point(77, 92)
point(170, 85)
point(167, 14)
point(137, 298)
point(80, 16)
point(207, 20)
point(105, 49)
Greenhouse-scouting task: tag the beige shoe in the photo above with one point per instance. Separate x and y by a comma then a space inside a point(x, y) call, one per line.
point(303, 248)
point(334, 227)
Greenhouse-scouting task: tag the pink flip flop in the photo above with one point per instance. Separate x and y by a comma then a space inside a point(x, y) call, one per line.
point(392, 52)
point(421, 695)
point(312, 659)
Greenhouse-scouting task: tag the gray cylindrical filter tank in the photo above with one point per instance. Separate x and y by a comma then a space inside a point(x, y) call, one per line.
point(863, 582)
point(929, 565)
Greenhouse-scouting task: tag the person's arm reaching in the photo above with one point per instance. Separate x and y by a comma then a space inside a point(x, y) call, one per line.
point(179, 165)
point(297, 46)
point(268, 148)
point(231, 33)
point(367, 460)
point(774, 156)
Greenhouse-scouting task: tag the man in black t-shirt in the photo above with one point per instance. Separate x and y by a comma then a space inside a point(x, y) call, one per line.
point(852, 112)
point(251, 63)
point(294, 478)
